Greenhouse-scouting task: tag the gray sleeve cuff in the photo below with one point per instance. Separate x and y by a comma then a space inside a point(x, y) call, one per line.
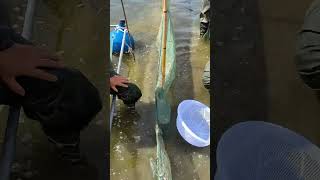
point(206, 76)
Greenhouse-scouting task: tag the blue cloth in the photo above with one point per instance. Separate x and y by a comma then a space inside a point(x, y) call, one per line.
point(116, 37)
point(263, 151)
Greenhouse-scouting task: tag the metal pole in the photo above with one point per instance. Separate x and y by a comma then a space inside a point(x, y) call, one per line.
point(121, 50)
point(27, 26)
point(9, 145)
point(118, 71)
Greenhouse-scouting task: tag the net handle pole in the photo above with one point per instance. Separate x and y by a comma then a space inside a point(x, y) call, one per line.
point(121, 50)
point(9, 144)
point(113, 104)
point(164, 42)
point(112, 110)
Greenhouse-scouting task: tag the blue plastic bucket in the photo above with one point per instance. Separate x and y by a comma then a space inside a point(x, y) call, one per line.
point(116, 36)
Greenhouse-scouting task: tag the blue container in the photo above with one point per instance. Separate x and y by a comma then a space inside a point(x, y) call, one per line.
point(116, 36)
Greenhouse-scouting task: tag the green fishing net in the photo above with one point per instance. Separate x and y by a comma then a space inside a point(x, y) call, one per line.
point(161, 92)
point(161, 166)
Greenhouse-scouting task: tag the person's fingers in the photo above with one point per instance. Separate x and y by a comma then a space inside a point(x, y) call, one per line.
point(14, 86)
point(45, 54)
point(59, 53)
point(120, 77)
point(124, 79)
point(55, 57)
point(50, 63)
point(40, 74)
point(122, 85)
point(114, 88)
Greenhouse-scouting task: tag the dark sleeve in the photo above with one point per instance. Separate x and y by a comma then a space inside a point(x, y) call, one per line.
point(5, 38)
point(206, 76)
point(8, 38)
point(308, 44)
point(308, 47)
point(17, 38)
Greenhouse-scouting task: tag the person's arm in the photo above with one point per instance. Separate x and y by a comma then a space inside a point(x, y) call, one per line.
point(308, 47)
point(308, 54)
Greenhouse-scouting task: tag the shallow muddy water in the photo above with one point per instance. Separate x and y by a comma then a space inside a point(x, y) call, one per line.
point(133, 136)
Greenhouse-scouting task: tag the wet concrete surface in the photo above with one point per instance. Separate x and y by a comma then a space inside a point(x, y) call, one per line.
point(77, 31)
point(256, 79)
point(133, 136)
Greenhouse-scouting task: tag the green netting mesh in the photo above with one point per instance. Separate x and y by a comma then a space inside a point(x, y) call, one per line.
point(161, 166)
point(162, 103)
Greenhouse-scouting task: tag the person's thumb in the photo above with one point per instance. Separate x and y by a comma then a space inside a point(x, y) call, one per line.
point(114, 88)
point(14, 85)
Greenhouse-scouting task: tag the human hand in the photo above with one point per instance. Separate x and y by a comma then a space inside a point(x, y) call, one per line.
point(118, 81)
point(26, 60)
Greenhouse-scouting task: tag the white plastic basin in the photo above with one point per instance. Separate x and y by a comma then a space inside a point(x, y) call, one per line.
point(193, 122)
